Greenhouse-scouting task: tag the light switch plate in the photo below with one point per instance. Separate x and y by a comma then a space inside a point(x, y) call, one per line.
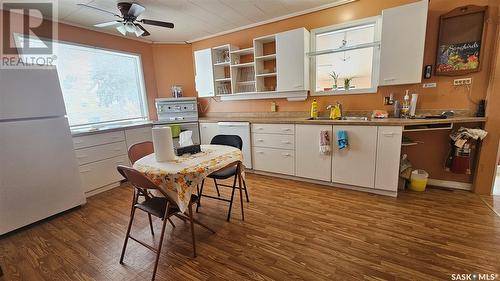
point(429, 85)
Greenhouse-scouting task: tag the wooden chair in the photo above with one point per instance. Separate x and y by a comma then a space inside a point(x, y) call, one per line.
point(232, 170)
point(162, 207)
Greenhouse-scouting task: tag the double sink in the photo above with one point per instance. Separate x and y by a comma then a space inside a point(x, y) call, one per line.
point(352, 118)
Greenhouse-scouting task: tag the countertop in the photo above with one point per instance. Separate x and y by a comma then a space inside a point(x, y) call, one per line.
point(371, 122)
point(109, 128)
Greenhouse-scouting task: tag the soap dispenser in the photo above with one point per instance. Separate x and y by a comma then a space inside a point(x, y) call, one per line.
point(314, 109)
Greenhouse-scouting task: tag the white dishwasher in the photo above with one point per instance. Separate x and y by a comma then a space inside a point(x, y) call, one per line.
point(241, 129)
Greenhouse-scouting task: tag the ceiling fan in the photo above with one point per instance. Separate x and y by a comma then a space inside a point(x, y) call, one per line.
point(127, 22)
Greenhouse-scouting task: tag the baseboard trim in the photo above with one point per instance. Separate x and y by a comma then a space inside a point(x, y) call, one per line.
point(101, 189)
point(450, 184)
point(329, 184)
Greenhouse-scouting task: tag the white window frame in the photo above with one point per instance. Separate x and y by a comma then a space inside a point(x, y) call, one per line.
point(140, 74)
point(377, 21)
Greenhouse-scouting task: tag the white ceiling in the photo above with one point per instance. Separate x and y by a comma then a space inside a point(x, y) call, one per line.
point(193, 19)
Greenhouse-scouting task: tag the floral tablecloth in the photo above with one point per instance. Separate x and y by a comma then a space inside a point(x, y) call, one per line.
point(178, 178)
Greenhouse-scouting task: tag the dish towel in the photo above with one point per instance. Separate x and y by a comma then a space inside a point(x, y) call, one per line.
point(342, 141)
point(324, 142)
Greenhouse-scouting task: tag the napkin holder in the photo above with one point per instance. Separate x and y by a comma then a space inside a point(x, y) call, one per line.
point(190, 149)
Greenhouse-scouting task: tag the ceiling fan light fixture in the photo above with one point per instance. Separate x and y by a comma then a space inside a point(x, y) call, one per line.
point(130, 27)
point(138, 31)
point(122, 29)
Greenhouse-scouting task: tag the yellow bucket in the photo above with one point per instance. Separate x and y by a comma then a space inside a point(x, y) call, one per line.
point(418, 180)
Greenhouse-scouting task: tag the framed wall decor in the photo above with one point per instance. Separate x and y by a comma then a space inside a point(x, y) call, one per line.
point(460, 42)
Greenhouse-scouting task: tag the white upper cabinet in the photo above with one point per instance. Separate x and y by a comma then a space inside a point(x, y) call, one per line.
point(204, 77)
point(355, 165)
point(292, 62)
point(402, 44)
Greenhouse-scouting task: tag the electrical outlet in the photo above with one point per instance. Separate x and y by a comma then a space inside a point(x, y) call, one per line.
point(462, 81)
point(429, 85)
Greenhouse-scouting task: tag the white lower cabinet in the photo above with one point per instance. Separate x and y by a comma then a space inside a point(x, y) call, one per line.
point(274, 160)
point(208, 131)
point(98, 155)
point(388, 157)
point(355, 165)
point(101, 173)
point(309, 162)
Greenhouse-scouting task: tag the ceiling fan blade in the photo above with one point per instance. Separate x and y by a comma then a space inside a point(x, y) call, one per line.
point(98, 9)
point(135, 10)
point(157, 23)
point(146, 33)
point(109, 23)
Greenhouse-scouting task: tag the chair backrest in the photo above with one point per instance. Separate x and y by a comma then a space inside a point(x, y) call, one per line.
point(140, 182)
point(231, 140)
point(139, 150)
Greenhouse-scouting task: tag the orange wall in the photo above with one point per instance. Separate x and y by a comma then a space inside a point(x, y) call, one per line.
point(173, 65)
point(444, 96)
point(98, 39)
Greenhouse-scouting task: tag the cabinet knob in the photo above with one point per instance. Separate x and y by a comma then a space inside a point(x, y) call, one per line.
point(285, 142)
point(260, 140)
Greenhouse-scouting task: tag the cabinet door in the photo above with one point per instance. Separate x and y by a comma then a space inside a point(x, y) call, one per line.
point(402, 44)
point(309, 162)
point(204, 77)
point(355, 165)
point(208, 131)
point(292, 63)
point(388, 155)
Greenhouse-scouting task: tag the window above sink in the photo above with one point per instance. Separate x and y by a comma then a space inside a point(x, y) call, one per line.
point(349, 51)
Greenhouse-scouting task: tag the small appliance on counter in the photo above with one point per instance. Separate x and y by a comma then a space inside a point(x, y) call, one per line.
point(181, 115)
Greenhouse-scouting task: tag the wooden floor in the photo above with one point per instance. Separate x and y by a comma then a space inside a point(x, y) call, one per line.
point(292, 230)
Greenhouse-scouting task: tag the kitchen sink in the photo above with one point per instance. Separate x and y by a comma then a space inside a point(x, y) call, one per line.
point(354, 118)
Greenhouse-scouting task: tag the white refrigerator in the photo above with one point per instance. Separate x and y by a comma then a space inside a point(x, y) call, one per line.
point(38, 169)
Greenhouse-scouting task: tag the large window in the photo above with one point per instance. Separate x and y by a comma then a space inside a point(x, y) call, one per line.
point(345, 58)
point(99, 86)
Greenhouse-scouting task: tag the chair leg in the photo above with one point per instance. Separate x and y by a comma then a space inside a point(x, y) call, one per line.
point(171, 222)
point(232, 197)
point(132, 214)
point(200, 195)
point(151, 224)
point(192, 228)
point(128, 234)
point(161, 242)
point(241, 194)
point(216, 187)
point(246, 192)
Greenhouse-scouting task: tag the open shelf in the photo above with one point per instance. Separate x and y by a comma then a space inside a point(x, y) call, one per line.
point(226, 63)
point(247, 51)
point(247, 64)
point(266, 57)
point(245, 82)
point(223, 79)
point(266, 74)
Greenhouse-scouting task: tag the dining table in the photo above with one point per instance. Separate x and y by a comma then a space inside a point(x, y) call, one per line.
point(179, 177)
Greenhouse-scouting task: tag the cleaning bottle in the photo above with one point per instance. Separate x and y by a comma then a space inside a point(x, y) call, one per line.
point(314, 109)
point(405, 107)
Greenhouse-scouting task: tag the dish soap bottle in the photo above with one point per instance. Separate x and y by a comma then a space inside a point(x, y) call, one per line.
point(314, 109)
point(405, 107)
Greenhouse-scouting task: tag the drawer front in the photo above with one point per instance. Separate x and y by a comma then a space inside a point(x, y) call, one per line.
point(98, 139)
point(137, 135)
point(100, 152)
point(272, 160)
point(286, 129)
point(101, 173)
point(273, 141)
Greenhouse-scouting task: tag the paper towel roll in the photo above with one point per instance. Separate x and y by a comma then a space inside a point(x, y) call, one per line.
point(413, 104)
point(163, 144)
